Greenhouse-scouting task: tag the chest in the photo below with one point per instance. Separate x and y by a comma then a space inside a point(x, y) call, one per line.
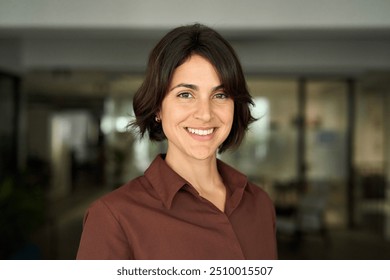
point(193, 228)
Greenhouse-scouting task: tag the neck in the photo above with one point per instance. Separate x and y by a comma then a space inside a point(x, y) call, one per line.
point(201, 174)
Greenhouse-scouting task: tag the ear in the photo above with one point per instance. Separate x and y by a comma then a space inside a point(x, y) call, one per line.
point(157, 117)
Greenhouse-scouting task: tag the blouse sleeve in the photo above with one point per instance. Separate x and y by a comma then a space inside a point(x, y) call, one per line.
point(103, 237)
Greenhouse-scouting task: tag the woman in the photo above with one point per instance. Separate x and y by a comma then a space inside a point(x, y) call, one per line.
point(188, 204)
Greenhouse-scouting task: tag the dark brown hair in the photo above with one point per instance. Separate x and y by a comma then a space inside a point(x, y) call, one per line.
point(172, 51)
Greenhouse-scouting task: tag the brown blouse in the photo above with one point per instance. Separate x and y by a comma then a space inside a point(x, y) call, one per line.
point(161, 216)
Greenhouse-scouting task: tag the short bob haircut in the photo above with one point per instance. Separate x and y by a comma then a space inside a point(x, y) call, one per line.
point(173, 50)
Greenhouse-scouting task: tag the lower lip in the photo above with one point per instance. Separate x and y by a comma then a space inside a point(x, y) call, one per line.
point(201, 137)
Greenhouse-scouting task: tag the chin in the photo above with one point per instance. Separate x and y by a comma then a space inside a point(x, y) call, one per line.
point(203, 155)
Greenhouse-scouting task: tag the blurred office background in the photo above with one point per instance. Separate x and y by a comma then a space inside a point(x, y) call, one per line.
point(319, 72)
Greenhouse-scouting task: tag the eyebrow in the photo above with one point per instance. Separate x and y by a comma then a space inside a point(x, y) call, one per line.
point(195, 87)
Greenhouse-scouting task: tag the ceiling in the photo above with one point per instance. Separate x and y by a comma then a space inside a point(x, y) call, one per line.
point(94, 83)
point(234, 34)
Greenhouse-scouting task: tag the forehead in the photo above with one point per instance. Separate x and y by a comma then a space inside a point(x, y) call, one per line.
point(195, 69)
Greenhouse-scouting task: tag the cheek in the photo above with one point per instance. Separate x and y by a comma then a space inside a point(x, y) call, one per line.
point(229, 114)
point(171, 119)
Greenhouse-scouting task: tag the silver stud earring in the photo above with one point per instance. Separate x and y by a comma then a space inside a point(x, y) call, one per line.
point(157, 119)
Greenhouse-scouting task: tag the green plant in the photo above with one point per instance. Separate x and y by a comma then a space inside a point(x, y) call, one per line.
point(21, 212)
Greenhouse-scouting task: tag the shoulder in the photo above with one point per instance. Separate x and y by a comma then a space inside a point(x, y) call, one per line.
point(132, 194)
point(236, 180)
point(239, 183)
point(258, 192)
point(262, 202)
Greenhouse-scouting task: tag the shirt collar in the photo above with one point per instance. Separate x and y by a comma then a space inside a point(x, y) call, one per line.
point(164, 180)
point(167, 182)
point(235, 181)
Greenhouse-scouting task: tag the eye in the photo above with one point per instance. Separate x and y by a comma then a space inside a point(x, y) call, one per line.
point(221, 95)
point(185, 95)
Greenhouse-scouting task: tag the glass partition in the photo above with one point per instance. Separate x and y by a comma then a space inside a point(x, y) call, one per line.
point(326, 115)
point(268, 154)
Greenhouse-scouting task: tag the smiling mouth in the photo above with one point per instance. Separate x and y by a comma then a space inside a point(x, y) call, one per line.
point(201, 132)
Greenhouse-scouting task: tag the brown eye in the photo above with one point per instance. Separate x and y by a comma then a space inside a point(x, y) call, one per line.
point(185, 95)
point(221, 95)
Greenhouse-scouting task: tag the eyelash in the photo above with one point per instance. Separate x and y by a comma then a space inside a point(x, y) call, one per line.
point(220, 95)
point(181, 95)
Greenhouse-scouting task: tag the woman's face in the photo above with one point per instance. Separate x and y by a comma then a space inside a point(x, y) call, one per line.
point(196, 113)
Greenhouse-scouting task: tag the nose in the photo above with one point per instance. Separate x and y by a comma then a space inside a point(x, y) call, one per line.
point(203, 110)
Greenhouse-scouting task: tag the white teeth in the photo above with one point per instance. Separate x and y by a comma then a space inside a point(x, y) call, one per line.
point(200, 131)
